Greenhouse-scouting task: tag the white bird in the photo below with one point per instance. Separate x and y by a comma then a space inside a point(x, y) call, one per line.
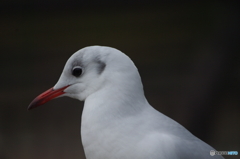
point(117, 120)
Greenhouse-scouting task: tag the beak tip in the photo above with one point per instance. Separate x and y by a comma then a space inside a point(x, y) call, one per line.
point(34, 104)
point(29, 107)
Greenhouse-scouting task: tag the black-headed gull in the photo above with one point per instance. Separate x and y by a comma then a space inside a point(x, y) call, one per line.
point(117, 120)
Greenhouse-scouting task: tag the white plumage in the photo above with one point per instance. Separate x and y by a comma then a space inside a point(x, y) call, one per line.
point(117, 120)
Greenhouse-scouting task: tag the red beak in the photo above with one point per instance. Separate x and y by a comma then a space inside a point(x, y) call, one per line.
point(46, 96)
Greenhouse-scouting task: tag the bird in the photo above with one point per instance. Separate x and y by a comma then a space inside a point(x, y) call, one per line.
point(117, 121)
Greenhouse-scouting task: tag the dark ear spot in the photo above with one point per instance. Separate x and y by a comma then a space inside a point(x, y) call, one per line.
point(100, 66)
point(77, 63)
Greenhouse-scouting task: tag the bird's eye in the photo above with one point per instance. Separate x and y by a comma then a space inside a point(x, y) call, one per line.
point(77, 71)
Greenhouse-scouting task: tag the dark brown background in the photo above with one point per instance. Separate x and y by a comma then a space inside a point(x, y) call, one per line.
point(187, 54)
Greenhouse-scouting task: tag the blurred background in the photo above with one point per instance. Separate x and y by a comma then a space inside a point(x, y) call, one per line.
point(187, 54)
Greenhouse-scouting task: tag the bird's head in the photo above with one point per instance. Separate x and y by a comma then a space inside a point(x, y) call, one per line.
point(90, 70)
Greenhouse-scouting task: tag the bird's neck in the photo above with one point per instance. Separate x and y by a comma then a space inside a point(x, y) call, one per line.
point(114, 102)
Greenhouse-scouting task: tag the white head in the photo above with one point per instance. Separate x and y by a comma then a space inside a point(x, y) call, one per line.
point(93, 69)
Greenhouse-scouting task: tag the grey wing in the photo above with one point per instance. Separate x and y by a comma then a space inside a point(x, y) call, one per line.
point(168, 146)
point(190, 148)
point(196, 149)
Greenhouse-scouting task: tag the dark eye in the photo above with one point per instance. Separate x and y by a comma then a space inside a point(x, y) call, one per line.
point(77, 71)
